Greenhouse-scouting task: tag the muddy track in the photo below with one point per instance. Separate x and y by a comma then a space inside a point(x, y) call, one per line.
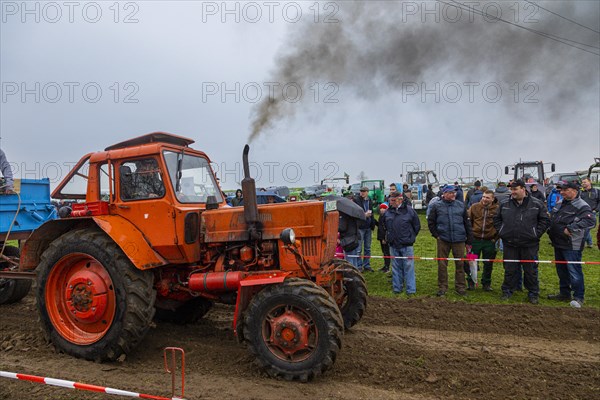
point(415, 349)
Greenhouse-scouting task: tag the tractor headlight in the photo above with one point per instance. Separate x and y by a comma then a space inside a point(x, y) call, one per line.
point(288, 236)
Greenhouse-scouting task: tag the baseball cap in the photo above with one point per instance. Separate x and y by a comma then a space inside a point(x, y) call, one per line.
point(517, 183)
point(449, 188)
point(567, 185)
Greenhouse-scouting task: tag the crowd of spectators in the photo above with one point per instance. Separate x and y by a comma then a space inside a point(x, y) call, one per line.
point(511, 219)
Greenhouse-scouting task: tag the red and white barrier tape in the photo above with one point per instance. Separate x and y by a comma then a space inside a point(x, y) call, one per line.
point(80, 386)
point(475, 259)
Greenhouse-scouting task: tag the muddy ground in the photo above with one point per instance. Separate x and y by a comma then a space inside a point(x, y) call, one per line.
point(402, 349)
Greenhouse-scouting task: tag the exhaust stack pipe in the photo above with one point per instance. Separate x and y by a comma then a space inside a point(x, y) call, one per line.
point(250, 201)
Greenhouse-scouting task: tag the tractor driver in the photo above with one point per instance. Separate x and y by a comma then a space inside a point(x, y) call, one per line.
point(145, 183)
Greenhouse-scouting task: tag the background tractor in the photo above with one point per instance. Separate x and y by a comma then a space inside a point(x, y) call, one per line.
point(152, 234)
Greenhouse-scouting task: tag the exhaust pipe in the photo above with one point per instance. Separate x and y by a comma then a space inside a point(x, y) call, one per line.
point(250, 201)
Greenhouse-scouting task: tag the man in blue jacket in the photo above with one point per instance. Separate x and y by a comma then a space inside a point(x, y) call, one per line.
point(402, 226)
point(570, 220)
point(449, 224)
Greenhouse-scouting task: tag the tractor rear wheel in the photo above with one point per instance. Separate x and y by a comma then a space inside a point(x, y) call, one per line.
point(293, 329)
point(93, 303)
point(12, 290)
point(186, 313)
point(353, 302)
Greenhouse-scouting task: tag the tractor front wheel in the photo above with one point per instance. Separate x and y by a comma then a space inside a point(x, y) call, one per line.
point(353, 302)
point(12, 290)
point(294, 329)
point(93, 303)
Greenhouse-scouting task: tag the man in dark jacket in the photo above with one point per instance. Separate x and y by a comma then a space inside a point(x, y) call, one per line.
point(385, 247)
point(481, 215)
point(402, 226)
point(476, 188)
point(592, 197)
point(521, 221)
point(449, 224)
point(365, 228)
point(502, 193)
point(537, 193)
point(349, 237)
point(571, 219)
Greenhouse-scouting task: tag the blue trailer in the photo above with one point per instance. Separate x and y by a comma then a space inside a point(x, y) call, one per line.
point(20, 214)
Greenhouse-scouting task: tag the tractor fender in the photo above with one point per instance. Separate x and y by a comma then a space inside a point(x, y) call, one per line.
point(121, 231)
point(247, 288)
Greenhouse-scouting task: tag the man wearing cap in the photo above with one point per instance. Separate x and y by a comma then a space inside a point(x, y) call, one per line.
point(476, 189)
point(402, 226)
point(449, 224)
point(385, 247)
point(570, 219)
point(521, 221)
point(364, 229)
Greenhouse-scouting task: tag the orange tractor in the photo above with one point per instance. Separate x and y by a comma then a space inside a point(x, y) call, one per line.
point(151, 236)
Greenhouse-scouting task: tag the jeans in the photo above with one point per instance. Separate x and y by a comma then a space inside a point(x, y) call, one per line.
point(403, 270)
point(353, 260)
point(570, 276)
point(365, 241)
point(588, 237)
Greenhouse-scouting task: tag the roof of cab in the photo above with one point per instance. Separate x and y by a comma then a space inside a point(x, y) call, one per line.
point(155, 137)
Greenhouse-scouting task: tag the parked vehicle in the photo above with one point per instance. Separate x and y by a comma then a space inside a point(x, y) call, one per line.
point(335, 186)
point(376, 191)
point(20, 214)
point(530, 172)
point(314, 191)
point(560, 176)
point(415, 181)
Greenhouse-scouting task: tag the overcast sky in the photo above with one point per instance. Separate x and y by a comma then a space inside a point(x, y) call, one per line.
point(384, 85)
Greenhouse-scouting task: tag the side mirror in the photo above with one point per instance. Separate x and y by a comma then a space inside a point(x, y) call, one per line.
point(506, 170)
point(552, 167)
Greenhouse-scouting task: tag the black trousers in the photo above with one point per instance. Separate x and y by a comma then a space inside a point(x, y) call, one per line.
point(512, 270)
point(385, 249)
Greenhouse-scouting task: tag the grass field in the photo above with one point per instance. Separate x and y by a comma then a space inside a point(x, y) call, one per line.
point(379, 284)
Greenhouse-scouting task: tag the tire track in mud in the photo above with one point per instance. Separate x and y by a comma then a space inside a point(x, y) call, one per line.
point(418, 349)
point(474, 343)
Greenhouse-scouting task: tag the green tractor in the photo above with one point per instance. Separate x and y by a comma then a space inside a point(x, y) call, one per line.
point(376, 191)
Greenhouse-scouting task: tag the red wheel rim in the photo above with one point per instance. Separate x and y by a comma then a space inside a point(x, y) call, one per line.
point(290, 333)
point(80, 299)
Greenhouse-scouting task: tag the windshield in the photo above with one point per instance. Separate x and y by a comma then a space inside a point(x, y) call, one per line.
point(529, 173)
point(196, 182)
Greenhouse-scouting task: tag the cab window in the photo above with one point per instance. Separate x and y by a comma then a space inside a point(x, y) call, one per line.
point(140, 180)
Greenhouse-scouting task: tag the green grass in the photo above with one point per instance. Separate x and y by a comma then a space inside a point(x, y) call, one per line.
point(380, 284)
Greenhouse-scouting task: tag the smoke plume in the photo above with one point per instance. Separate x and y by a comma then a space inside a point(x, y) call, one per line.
point(377, 46)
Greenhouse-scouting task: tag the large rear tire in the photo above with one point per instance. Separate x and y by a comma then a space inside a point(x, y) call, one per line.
point(353, 302)
point(93, 303)
point(12, 290)
point(293, 329)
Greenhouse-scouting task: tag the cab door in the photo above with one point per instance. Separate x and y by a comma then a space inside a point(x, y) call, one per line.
point(144, 198)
